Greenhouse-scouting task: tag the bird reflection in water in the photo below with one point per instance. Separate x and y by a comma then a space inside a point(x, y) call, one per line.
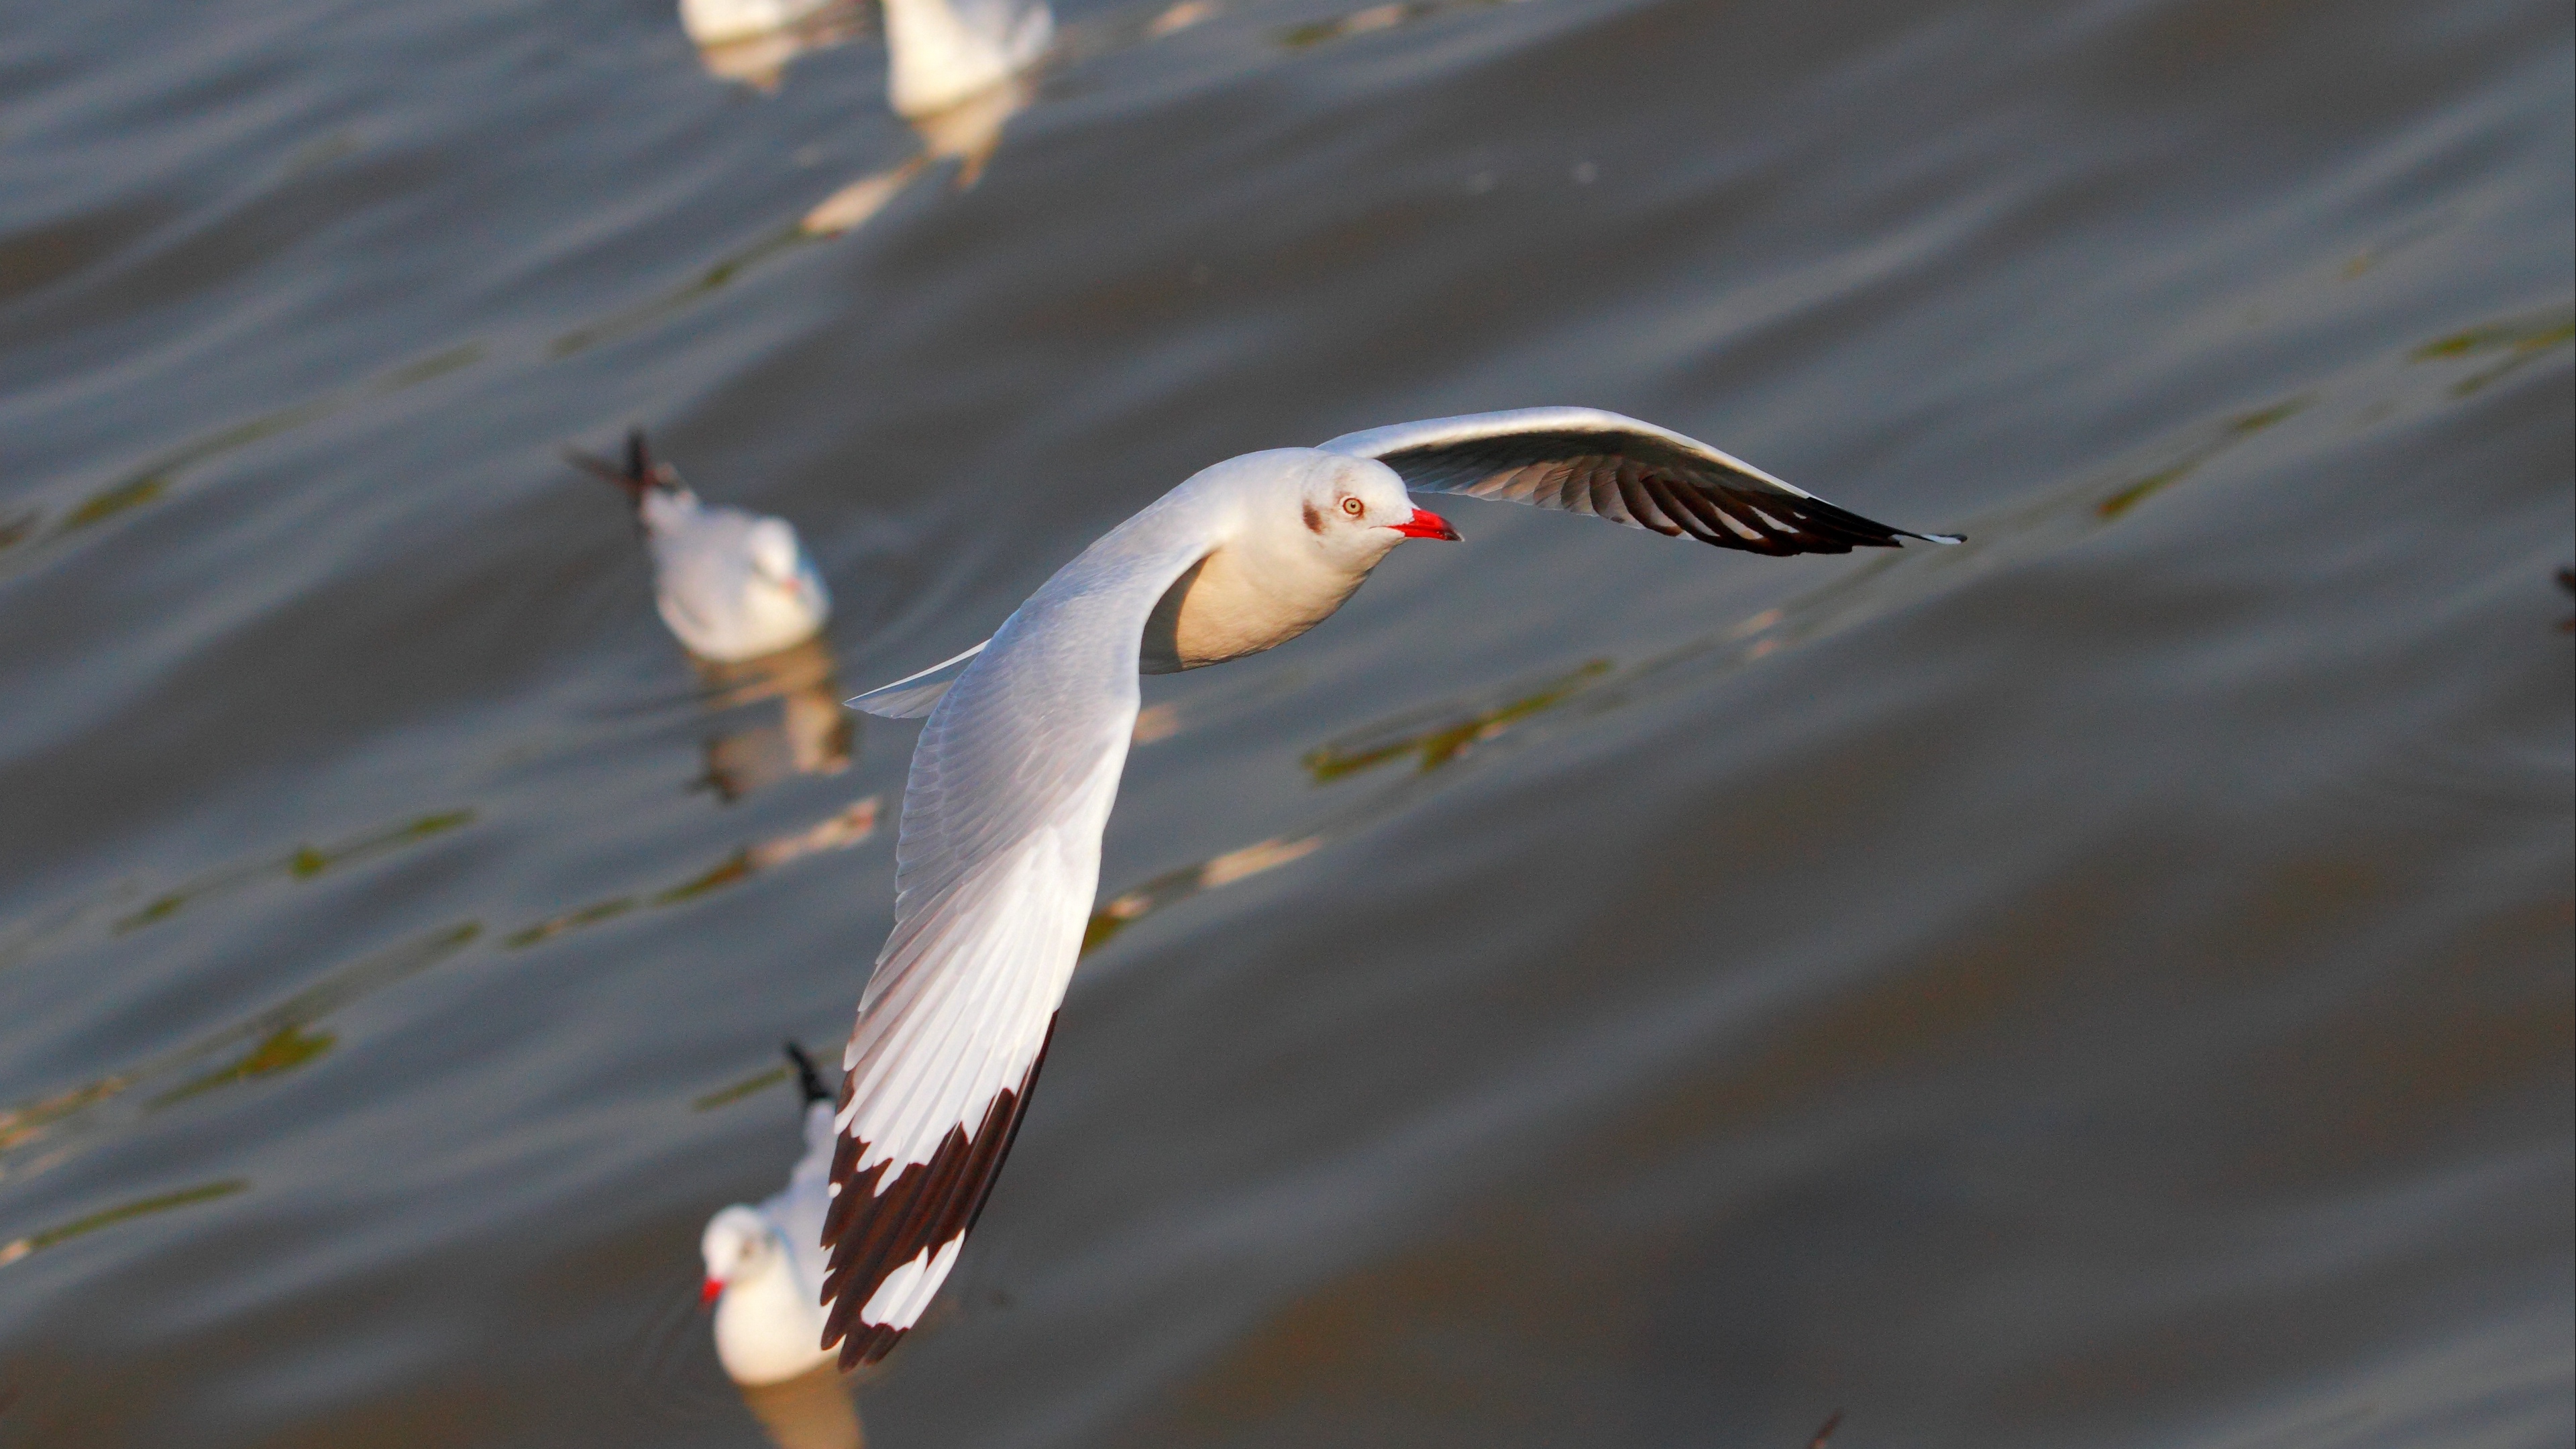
point(751, 41)
point(957, 70)
point(813, 735)
point(811, 1411)
point(964, 125)
point(743, 598)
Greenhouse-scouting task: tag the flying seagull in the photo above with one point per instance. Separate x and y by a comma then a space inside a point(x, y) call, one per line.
point(765, 1263)
point(1018, 763)
point(732, 585)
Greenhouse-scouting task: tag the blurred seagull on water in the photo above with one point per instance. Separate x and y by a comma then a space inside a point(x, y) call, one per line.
point(765, 1263)
point(1018, 764)
point(732, 585)
point(941, 52)
point(957, 71)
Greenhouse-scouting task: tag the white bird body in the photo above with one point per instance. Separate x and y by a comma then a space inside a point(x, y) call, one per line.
point(1019, 760)
point(767, 1264)
point(941, 52)
point(732, 585)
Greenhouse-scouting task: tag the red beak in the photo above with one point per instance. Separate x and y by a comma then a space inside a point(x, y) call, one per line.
point(709, 1292)
point(1424, 524)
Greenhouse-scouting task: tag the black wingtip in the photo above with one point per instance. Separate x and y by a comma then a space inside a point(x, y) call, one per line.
point(808, 1079)
point(634, 475)
point(866, 1347)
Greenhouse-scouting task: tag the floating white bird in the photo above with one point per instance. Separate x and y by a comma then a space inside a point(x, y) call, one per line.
point(765, 1264)
point(1016, 768)
point(940, 52)
point(956, 75)
point(732, 585)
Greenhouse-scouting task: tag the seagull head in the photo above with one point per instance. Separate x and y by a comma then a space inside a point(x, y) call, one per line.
point(1353, 511)
point(737, 1244)
point(1289, 535)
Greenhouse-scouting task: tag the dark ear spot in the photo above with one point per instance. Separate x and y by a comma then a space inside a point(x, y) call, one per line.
point(1314, 519)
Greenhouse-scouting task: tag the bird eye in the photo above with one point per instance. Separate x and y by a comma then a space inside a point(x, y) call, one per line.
point(1353, 507)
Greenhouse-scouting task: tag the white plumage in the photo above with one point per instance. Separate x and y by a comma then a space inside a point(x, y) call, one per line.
point(765, 1264)
point(942, 52)
point(1019, 761)
point(732, 585)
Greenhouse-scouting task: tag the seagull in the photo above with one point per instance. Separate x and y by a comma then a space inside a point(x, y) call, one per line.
point(1018, 763)
point(941, 52)
point(765, 1263)
point(732, 585)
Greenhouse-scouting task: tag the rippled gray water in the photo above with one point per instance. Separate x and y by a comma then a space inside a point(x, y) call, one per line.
point(2105, 985)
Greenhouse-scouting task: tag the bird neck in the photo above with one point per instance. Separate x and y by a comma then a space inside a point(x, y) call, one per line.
point(1240, 599)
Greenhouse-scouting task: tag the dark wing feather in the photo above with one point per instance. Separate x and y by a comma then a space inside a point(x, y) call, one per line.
point(1583, 461)
point(638, 473)
point(927, 1207)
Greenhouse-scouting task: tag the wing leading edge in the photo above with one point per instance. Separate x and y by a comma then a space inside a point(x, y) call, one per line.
point(1583, 460)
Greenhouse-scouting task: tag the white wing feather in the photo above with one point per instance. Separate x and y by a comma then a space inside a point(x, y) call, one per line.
point(997, 865)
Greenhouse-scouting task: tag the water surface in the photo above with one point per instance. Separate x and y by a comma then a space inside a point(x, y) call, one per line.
point(2108, 984)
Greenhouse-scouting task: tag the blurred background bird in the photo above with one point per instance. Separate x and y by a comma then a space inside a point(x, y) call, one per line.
point(942, 52)
point(765, 1263)
point(732, 585)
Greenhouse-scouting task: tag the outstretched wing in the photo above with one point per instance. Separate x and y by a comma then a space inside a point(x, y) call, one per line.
point(996, 868)
point(1584, 460)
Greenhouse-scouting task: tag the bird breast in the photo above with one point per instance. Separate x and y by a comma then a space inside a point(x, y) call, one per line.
point(768, 1330)
point(1230, 604)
